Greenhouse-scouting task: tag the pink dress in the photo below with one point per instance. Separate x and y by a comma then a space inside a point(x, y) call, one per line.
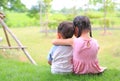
point(85, 56)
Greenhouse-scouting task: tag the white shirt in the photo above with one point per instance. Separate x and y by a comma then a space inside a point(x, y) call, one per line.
point(61, 59)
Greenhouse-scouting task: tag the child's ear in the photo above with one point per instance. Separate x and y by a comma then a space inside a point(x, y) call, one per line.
point(58, 35)
point(76, 31)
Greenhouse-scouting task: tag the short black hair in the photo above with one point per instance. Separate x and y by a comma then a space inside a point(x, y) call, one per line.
point(66, 29)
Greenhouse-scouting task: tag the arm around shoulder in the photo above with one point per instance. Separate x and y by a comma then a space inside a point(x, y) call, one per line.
point(63, 41)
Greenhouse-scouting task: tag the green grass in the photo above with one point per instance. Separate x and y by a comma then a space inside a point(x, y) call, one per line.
point(14, 66)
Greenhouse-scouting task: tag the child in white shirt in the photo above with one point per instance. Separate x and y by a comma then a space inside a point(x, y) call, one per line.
point(60, 57)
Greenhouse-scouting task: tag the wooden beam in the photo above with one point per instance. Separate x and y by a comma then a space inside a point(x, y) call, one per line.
point(13, 47)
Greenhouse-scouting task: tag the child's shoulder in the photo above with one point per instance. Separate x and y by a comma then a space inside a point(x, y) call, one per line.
point(77, 39)
point(93, 39)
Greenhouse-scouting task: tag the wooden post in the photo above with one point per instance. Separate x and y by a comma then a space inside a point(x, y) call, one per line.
point(17, 41)
point(6, 35)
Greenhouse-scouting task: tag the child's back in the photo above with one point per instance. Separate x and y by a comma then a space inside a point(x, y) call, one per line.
point(60, 57)
point(85, 56)
point(85, 48)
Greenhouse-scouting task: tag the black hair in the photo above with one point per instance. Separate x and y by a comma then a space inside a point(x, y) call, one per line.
point(83, 23)
point(66, 29)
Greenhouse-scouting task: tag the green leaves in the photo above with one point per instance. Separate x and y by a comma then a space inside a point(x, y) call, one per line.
point(14, 5)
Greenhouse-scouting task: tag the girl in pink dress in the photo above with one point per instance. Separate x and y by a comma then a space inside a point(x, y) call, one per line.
point(85, 48)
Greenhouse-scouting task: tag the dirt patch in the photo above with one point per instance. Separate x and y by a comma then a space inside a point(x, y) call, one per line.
point(116, 52)
point(22, 58)
point(13, 54)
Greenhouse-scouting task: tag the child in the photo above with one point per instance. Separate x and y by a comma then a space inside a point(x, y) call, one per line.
point(60, 57)
point(85, 48)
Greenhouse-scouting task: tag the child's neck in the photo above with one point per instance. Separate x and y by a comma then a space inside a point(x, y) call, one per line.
point(85, 35)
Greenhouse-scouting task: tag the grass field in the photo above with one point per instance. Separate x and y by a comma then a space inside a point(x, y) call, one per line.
point(14, 66)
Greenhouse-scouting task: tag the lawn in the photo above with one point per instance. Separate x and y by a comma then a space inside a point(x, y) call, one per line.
point(15, 66)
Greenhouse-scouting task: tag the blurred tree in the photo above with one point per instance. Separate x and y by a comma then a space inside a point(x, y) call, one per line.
point(66, 11)
point(108, 6)
point(37, 12)
point(94, 2)
point(3, 4)
point(47, 11)
point(16, 5)
point(12, 5)
point(34, 11)
point(74, 11)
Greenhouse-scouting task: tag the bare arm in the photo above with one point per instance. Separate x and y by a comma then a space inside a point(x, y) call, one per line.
point(63, 42)
point(49, 62)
